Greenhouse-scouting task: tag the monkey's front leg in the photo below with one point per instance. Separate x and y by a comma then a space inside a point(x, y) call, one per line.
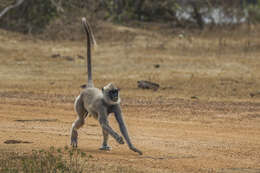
point(105, 126)
point(105, 145)
point(123, 129)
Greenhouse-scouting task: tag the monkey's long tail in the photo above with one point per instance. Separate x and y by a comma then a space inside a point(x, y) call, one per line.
point(90, 41)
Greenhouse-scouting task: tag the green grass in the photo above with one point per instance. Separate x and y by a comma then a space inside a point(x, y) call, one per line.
point(59, 160)
point(55, 160)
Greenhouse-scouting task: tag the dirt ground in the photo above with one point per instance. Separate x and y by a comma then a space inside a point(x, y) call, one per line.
point(204, 118)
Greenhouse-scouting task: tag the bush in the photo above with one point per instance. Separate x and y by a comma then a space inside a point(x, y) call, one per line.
point(41, 161)
point(254, 12)
point(59, 160)
point(30, 17)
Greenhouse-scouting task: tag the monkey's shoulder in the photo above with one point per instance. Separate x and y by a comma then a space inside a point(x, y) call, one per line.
point(92, 97)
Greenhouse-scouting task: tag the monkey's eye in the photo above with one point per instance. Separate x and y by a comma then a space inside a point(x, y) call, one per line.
point(113, 92)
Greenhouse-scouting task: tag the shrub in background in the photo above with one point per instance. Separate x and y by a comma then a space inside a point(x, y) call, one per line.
point(30, 17)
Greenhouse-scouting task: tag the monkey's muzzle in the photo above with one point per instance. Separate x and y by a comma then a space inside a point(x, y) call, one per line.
point(114, 99)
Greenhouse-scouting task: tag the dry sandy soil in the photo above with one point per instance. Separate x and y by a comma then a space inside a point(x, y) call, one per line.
point(202, 119)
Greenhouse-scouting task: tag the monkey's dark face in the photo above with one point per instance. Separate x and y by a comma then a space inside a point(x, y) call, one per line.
point(113, 95)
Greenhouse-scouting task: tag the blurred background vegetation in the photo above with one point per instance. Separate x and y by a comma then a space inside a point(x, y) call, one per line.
point(55, 16)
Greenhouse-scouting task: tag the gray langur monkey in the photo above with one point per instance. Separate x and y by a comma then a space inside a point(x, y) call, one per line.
point(99, 104)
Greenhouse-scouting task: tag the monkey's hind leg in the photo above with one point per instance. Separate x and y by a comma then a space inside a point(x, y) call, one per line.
point(79, 122)
point(105, 145)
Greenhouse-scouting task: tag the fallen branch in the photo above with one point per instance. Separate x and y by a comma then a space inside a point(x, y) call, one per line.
point(255, 94)
point(147, 85)
point(18, 3)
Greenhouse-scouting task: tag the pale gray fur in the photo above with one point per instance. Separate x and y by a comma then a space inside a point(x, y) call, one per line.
point(99, 104)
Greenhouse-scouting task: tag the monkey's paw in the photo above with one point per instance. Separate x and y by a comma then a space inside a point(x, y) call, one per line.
point(120, 140)
point(105, 147)
point(74, 139)
point(136, 150)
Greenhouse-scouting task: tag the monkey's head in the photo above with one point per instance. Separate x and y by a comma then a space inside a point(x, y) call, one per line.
point(111, 94)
